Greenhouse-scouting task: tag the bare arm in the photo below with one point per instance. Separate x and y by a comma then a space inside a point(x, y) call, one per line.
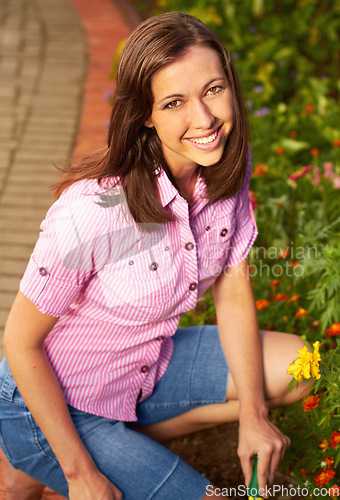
point(238, 327)
point(25, 332)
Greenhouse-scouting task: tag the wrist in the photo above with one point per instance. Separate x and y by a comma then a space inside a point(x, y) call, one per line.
point(77, 466)
point(256, 409)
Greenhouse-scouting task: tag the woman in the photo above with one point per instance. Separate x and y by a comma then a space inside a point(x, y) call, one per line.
point(138, 233)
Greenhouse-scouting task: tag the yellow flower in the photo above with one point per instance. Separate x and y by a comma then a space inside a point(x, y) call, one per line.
point(307, 364)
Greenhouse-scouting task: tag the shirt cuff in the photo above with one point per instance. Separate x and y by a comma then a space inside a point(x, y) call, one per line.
point(50, 295)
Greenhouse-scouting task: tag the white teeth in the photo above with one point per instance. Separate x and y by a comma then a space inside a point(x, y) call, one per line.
point(205, 140)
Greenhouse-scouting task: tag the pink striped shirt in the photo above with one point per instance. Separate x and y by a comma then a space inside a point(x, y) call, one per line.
point(120, 289)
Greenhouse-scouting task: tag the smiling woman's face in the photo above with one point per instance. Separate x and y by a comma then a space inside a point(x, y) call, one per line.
point(192, 111)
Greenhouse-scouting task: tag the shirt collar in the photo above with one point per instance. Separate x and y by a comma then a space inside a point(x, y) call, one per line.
point(167, 191)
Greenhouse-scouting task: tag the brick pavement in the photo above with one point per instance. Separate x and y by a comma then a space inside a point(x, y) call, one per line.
point(55, 60)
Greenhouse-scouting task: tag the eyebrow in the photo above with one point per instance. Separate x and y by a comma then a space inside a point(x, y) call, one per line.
point(176, 96)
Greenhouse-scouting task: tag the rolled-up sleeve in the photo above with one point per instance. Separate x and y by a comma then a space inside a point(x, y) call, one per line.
point(245, 228)
point(73, 245)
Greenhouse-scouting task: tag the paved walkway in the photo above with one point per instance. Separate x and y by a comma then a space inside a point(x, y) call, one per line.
point(55, 60)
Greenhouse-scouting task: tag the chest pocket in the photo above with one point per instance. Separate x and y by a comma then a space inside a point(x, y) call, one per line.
point(215, 245)
point(144, 277)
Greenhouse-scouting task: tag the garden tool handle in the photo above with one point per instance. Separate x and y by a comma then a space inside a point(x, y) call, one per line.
point(254, 485)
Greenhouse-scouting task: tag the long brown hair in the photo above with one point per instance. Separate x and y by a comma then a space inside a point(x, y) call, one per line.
point(134, 151)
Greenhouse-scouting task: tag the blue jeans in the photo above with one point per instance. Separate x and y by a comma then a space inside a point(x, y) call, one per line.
point(140, 467)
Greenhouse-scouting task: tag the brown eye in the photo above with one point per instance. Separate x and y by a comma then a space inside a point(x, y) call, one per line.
point(214, 90)
point(172, 105)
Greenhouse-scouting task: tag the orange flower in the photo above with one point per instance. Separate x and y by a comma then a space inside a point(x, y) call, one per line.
point(284, 253)
point(310, 402)
point(275, 283)
point(261, 304)
point(253, 199)
point(279, 151)
point(315, 152)
point(333, 329)
point(281, 296)
point(301, 313)
point(324, 445)
point(293, 298)
point(260, 170)
point(324, 477)
point(293, 134)
point(294, 263)
point(334, 439)
point(334, 491)
point(329, 462)
point(309, 108)
point(336, 143)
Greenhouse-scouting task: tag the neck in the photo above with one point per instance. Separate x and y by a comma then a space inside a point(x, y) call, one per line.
point(186, 182)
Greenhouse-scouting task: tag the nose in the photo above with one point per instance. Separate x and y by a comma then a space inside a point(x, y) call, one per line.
point(201, 116)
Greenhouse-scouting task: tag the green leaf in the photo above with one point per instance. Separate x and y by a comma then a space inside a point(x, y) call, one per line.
point(294, 146)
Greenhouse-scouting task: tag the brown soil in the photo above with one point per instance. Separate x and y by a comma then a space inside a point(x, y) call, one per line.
point(213, 452)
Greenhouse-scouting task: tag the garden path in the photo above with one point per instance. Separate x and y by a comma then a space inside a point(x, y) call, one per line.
point(55, 60)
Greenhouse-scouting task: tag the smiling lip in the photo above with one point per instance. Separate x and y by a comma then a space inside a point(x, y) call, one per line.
point(208, 142)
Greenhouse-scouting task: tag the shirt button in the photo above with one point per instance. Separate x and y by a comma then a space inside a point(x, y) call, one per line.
point(167, 249)
point(43, 271)
point(154, 266)
point(161, 337)
point(189, 246)
point(224, 231)
point(192, 287)
point(131, 262)
point(207, 228)
point(144, 369)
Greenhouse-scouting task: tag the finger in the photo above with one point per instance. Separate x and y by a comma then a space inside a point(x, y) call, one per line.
point(285, 440)
point(246, 465)
point(117, 495)
point(263, 466)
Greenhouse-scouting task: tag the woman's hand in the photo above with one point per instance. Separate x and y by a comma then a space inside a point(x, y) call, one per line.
point(257, 435)
point(93, 486)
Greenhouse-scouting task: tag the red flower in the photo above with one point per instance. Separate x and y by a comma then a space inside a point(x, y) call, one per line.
point(334, 439)
point(333, 329)
point(334, 491)
point(294, 263)
point(260, 170)
point(300, 173)
point(275, 283)
point(294, 134)
point(279, 151)
point(329, 462)
point(281, 296)
point(261, 304)
point(315, 152)
point(310, 402)
point(309, 108)
point(284, 253)
point(324, 477)
point(336, 143)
